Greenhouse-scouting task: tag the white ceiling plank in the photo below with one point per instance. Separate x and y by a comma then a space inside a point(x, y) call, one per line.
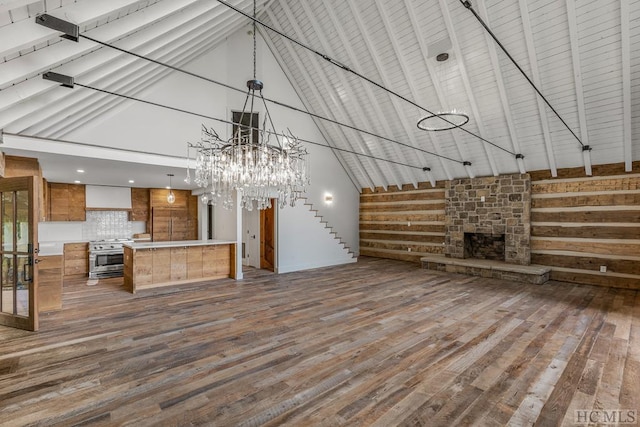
point(6, 6)
point(44, 59)
point(462, 152)
point(131, 78)
point(362, 120)
point(409, 128)
point(626, 83)
point(535, 77)
point(359, 140)
point(381, 118)
point(106, 61)
point(502, 90)
point(467, 85)
point(328, 112)
point(315, 120)
point(384, 76)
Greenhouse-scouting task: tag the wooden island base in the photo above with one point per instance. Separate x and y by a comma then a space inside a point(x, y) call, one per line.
point(155, 264)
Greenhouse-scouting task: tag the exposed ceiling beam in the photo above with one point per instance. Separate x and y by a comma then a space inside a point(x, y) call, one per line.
point(502, 90)
point(380, 116)
point(327, 111)
point(467, 85)
point(535, 77)
point(625, 17)
point(577, 73)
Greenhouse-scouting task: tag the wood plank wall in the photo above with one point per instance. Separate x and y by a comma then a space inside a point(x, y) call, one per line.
point(396, 220)
point(580, 223)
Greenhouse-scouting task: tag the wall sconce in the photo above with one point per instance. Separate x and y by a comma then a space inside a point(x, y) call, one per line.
point(328, 199)
point(171, 198)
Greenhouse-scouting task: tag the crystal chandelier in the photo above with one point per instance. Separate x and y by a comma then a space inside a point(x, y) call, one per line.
point(247, 162)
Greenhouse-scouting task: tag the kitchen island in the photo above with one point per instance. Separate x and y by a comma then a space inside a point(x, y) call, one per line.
point(154, 264)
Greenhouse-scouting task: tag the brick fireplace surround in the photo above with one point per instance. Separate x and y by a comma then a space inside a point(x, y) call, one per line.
point(490, 205)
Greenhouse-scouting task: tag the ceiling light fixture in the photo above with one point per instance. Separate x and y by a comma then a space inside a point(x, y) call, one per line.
point(445, 119)
point(520, 161)
point(247, 163)
point(171, 198)
point(430, 177)
point(80, 170)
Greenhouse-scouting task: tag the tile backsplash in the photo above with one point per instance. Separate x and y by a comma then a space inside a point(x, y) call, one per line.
point(107, 225)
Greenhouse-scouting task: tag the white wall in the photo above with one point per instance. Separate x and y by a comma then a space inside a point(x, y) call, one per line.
point(156, 130)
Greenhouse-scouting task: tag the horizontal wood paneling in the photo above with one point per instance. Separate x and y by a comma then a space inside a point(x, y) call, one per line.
point(625, 266)
point(402, 224)
point(568, 200)
point(632, 217)
point(581, 223)
point(435, 227)
point(586, 231)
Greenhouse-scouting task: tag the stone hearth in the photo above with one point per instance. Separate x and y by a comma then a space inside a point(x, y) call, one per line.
point(484, 246)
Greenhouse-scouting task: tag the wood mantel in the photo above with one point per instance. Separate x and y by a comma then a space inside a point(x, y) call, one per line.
point(155, 264)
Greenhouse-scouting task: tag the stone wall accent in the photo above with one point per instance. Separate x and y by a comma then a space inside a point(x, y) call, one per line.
point(505, 210)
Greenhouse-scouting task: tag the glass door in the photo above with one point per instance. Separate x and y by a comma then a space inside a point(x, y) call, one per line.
point(18, 239)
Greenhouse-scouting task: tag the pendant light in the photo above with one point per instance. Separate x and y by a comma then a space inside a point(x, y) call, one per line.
point(171, 198)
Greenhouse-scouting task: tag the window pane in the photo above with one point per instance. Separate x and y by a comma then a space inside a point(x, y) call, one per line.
point(7, 284)
point(22, 220)
point(7, 221)
point(23, 285)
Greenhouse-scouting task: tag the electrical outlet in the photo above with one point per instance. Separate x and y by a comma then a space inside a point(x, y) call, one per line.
point(482, 198)
point(409, 249)
point(409, 224)
point(603, 269)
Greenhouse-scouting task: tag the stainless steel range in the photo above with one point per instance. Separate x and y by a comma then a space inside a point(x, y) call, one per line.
point(106, 258)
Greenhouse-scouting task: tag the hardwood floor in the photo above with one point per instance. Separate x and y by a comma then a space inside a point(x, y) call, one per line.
point(378, 342)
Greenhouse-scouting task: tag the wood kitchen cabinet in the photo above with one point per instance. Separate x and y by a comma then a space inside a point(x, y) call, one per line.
point(67, 202)
point(149, 265)
point(177, 221)
point(171, 224)
point(50, 269)
point(76, 259)
point(140, 205)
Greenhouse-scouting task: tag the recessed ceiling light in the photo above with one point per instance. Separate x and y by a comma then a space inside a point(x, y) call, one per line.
point(131, 181)
point(80, 170)
point(76, 181)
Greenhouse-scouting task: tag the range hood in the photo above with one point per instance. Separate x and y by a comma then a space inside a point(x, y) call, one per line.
point(108, 198)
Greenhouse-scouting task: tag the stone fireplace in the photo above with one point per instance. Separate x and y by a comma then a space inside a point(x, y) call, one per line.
point(489, 218)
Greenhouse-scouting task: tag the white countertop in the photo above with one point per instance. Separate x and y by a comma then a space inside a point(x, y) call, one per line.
point(177, 243)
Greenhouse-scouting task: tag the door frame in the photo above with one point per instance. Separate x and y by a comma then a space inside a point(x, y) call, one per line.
point(28, 183)
point(265, 232)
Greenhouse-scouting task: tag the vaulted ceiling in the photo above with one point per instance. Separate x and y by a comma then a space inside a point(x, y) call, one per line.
point(584, 56)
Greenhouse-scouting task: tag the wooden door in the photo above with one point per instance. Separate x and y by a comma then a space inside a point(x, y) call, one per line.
point(18, 239)
point(267, 237)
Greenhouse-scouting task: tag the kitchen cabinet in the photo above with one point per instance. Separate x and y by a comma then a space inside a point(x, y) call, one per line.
point(50, 270)
point(178, 263)
point(140, 205)
point(76, 259)
point(67, 202)
point(171, 224)
point(158, 198)
point(154, 264)
point(161, 265)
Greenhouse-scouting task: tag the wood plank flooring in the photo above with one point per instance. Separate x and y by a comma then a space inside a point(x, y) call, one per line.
point(379, 342)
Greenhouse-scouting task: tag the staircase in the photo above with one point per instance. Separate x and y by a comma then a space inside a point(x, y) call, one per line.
point(328, 227)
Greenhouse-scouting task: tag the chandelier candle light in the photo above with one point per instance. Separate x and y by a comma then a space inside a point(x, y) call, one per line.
point(258, 170)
